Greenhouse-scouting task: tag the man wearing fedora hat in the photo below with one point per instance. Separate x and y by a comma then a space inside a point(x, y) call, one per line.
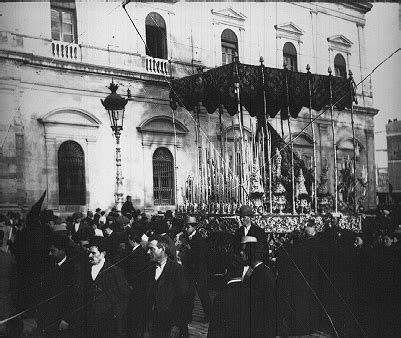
point(197, 266)
point(248, 228)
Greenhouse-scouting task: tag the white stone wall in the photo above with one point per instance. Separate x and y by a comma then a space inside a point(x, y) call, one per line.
point(34, 82)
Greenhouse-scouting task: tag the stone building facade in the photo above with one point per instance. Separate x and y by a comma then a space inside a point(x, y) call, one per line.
point(57, 59)
point(393, 135)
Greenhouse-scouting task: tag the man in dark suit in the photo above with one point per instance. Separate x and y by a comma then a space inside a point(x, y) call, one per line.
point(107, 294)
point(167, 288)
point(97, 215)
point(231, 312)
point(197, 266)
point(248, 228)
point(79, 229)
point(137, 267)
point(128, 207)
point(261, 280)
point(59, 288)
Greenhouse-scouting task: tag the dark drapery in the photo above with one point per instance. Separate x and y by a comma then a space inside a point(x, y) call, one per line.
point(216, 86)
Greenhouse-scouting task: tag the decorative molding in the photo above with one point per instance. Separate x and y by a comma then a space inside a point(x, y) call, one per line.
point(289, 30)
point(229, 13)
point(162, 125)
point(71, 117)
point(341, 144)
point(305, 137)
point(229, 17)
point(339, 43)
point(235, 130)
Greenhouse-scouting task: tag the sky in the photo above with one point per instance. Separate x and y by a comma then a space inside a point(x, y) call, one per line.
point(383, 37)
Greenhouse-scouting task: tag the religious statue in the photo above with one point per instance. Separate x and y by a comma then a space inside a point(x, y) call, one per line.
point(279, 200)
point(303, 204)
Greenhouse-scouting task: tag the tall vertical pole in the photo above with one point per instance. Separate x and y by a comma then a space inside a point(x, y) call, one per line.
point(334, 144)
point(119, 176)
point(175, 161)
point(313, 139)
point(240, 121)
point(291, 143)
point(200, 157)
point(268, 139)
point(352, 93)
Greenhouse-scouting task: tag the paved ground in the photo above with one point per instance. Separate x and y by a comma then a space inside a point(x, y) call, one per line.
point(197, 328)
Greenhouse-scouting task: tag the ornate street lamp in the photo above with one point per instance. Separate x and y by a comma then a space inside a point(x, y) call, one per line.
point(115, 106)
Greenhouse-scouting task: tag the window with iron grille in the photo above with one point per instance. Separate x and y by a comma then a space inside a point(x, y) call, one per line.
point(229, 46)
point(63, 21)
point(340, 67)
point(163, 177)
point(290, 56)
point(71, 174)
point(156, 40)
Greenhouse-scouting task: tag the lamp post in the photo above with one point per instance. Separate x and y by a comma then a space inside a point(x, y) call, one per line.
point(115, 106)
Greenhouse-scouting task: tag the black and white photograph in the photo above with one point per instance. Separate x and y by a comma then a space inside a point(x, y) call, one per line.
point(200, 169)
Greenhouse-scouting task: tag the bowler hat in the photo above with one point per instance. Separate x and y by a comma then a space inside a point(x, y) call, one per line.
point(77, 215)
point(246, 210)
point(98, 210)
point(190, 220)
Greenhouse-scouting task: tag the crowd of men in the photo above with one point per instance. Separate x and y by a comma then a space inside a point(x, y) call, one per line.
point(124, 275)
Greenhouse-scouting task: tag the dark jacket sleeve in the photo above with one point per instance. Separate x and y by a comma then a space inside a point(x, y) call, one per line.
point(119, 294)
point(215, 325)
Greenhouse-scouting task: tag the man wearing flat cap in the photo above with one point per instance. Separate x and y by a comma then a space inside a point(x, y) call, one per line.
point(248, 228)
point(197, 266)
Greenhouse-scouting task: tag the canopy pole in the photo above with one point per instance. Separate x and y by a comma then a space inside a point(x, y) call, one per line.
point(175, 159)
point(334, 144)
point(198, 142)
point(314, 188)
point(352, 93)
point(240, 122)
point(291, 143)
point(268, 139)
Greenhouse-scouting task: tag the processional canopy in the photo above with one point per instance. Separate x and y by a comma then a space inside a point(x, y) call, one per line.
point(286, 91)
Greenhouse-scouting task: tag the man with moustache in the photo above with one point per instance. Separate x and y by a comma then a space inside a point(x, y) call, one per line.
point(167, 287)
point(107, 294)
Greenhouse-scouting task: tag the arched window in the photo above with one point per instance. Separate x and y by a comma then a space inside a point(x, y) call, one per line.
point(71, 174)
point(229, 46)
point(163, 177)
point(290, 56)
point(156, 40)
point(340, 67)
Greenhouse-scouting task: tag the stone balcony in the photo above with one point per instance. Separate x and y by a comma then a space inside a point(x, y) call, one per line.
point(45, 51)
point(157, 66)
point(66, 51)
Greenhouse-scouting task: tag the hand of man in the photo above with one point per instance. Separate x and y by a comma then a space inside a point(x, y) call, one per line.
point(174, 332)
point(63, 325)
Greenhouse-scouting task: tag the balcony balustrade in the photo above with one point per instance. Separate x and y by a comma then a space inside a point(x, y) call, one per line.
point(157, 66)
point(65, 51)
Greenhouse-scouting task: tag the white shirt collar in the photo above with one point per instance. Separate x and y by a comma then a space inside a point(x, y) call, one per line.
point(159, 269)
point(257, 265)
point(192, 235)
point(96, 269)
point(62, 261)
point(236, 280)
point(244, 271)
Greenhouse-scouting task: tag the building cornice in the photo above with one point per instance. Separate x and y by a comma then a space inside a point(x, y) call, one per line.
point(46, 62)
point(359, 6)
